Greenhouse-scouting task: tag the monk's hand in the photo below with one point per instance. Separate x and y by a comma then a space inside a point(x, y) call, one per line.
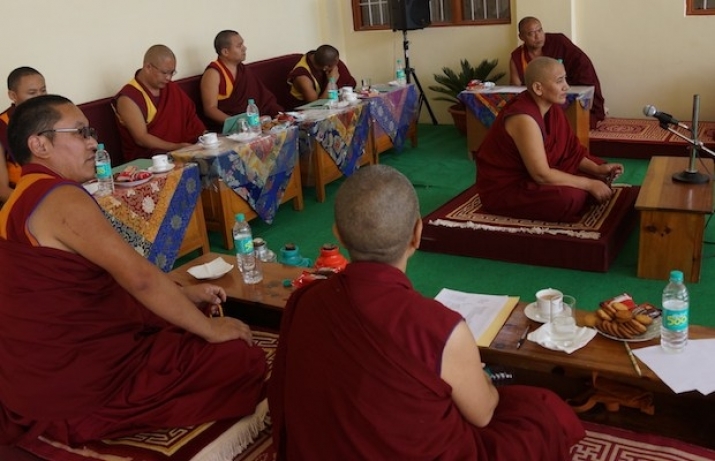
point(611, 171)
point(226, 329)
point(205, 293)
point(600, 190)
point(334, 73)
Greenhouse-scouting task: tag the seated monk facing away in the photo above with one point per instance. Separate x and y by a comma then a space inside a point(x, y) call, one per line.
point(95, 341)
point(23, 83)
point(367, 368)
point(531, 164)
point(227, 84)
point(153, 113)
point(579, 68)
point(309, 78)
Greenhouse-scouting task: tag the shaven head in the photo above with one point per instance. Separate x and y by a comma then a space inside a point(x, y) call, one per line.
point(13, 80)
point(158, 53)
point(376, 210)
point(223, 40)
point(33, 116)
point(539, 70)
point(326, 55)
point(525, 22)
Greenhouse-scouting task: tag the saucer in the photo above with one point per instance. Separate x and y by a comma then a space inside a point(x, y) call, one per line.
point(166, 169)
point(209, 145)
point(532, 313)
point(243, 137)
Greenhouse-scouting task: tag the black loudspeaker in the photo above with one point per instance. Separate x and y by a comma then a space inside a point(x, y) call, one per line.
point(409, 14)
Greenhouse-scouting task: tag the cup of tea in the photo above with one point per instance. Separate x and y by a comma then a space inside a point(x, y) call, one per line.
point(208, 139)
point(160, 162)
point(548, 301)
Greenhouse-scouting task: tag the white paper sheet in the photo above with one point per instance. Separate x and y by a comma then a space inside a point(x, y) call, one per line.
point(479, 311)
point(687, 371)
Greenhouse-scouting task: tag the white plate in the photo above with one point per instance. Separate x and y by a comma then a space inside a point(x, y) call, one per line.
point(132, 183)
point(209, 145)
point(166, 169)
point(243, 137)
point(652, 332)
point(210, 270)
point(532, 313)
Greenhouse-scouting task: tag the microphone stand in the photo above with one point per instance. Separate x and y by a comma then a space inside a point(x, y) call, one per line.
point(691, 175)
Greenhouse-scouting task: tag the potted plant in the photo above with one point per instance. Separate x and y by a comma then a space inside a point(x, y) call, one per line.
point(452, 83)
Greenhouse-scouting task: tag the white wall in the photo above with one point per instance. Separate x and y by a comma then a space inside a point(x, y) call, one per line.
point(645, 51)
point(87, 49)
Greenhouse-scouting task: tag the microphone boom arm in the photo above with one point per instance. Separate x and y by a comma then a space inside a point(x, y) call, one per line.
point(694, 142)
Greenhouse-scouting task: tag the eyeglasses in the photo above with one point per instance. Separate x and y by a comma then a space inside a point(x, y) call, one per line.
point(86, 132)
point(165, 73)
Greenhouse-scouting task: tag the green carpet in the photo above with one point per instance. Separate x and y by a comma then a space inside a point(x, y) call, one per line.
point(439, 169)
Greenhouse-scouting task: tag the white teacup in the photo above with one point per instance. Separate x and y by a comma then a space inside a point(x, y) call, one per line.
point(346, 90)
point(160, 161)
point(351, 97)
point(208, 138)
point(549, 301)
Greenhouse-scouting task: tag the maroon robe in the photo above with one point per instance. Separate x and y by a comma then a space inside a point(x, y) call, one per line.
point(357, 376)
point(13, 168)
point(319, 78)
point(175, 119)
point(503, 182)
point(234, 93)
point(579, 68)
point(82, 359)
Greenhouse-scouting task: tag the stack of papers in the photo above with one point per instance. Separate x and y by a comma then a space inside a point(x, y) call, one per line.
point(686, 371)
point(485, 314)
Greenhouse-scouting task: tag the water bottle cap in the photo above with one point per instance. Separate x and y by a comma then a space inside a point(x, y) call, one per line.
point(100, 146)
point(676, 276)
point(251, 101)
point(240, 217)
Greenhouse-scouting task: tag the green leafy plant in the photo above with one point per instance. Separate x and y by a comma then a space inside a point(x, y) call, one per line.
point(452, 83)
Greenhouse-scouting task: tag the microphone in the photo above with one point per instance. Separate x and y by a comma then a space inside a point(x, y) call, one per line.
point(663, 117)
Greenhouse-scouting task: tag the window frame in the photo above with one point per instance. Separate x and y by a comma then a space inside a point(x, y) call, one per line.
point(691, 10)
point(457, 9)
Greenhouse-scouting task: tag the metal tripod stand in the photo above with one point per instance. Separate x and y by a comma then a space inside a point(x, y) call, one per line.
point(410, 73)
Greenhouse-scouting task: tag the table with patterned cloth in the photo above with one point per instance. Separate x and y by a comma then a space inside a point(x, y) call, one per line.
point(393, 115)
point(333, 143)
point(153, 217)
point(252, 177)
point(483, 106)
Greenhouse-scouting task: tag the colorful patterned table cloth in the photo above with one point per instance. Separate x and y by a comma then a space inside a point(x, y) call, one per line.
point(258, 171)
point(152, 217)
point(341, 132)
point(486, 104)
point(393, 111)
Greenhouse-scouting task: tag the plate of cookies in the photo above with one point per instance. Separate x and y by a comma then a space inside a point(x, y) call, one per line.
point(622, 319)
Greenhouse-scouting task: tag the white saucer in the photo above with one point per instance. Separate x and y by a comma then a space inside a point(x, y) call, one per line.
point(243, 137)
point(210, 270)
point(209, 145)
point(154, 170)
point(533, 314)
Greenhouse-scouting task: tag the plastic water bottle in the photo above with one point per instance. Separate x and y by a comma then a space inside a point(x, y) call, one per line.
point(103, 166)
point(253, 116)
point(246, 259)
point(333, 92)
point(400, 74)
point(674, 329)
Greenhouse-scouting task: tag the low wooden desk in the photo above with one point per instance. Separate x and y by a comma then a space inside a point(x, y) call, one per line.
point(672, 219)
point(676, 415)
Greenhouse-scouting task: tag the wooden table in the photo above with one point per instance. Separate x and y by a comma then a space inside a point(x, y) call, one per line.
point(246, 178)
point(334, 143)
point(578, 114)
point(672, 219)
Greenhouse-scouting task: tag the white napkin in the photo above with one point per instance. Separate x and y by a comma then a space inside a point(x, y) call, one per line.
point(210, 270)
point(542, 336)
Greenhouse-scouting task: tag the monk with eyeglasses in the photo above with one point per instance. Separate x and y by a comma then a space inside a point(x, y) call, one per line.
point(153, 113)
point(95, 341)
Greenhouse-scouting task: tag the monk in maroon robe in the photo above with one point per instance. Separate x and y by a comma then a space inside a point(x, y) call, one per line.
point(96, 342)
point(367, 368)
point(153, 113)
point(309, 78)
point(227, 84)
point(579, 68)
point(531, 164)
